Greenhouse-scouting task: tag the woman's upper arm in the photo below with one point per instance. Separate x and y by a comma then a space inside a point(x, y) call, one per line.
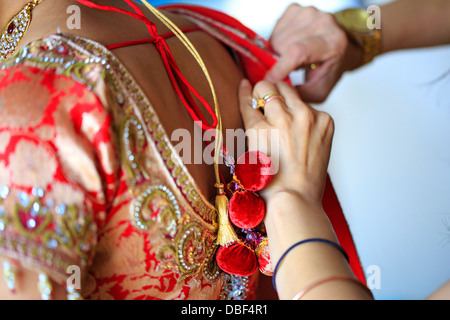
point(57, 170)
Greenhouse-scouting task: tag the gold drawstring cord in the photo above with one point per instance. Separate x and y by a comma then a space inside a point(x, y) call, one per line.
point(226, 234)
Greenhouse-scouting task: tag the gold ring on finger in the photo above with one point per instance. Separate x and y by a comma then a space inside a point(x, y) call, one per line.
point(274, 97)
point(261, 103)
point(258, 103)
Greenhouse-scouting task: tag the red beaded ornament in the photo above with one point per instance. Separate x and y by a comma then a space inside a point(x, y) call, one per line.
point(246, 210)
point(253, 172)
point(237, 259)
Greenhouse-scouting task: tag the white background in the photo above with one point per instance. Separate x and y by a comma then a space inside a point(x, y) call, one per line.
point(391, 157)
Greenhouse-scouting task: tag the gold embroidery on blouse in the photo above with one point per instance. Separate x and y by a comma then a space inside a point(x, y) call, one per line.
point(157, 204)
point(74, 230)
point(190, 245)
point(62, 228)
point(4, 220)
point(133, 142)
point(193, 251)
point(83, 60)
point(32, 216)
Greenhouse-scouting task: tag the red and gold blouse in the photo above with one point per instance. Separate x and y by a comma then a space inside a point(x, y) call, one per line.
point(89, 177)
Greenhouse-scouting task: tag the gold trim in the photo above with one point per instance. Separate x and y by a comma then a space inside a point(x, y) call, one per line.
point(91, 56)
point(10, 41)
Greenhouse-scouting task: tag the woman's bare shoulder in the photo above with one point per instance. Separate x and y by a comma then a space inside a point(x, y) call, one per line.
point(105, 27)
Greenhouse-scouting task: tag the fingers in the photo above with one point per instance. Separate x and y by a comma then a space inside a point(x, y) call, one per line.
point(292, 25)
point(277, 112)
point(289, 61)
point(250, 116)
point(298, 138)
point(306, 116)
point(301, 54)
point(293, 100)
point(275, 109)
point(320, 82)
point(305, 36)
point(291, 96)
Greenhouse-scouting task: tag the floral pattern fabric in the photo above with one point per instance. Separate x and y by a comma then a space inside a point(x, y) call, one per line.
point(88, 177)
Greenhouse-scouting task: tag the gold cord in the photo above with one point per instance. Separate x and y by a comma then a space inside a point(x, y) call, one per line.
point(188, 44)
point(226, 234)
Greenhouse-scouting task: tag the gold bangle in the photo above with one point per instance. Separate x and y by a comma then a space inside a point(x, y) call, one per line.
point(312, 286)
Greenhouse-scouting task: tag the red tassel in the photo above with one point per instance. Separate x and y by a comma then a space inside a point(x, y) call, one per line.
point(237, 259)
point(246, 209)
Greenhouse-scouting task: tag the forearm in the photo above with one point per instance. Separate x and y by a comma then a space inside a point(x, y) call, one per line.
point(443, 293)
point(291, 219)
point(408, 24)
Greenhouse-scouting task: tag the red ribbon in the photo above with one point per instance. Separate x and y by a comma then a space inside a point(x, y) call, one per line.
point(181, 85)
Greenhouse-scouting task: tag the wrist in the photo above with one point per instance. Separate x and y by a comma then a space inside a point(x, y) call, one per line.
point(354, 58)
point(355, 23)
point(290, 216)
point(292, 196)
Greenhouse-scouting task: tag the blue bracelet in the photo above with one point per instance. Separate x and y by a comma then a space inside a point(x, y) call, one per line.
point(299, 244)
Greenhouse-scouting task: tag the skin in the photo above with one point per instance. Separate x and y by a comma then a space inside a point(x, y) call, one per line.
point(443, 293)
point(305, 35)
point(294, 198)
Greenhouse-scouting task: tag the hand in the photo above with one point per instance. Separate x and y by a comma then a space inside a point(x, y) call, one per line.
point(304, 144)
point(305, 36)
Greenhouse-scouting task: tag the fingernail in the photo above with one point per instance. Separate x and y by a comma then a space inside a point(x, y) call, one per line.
point(245, 83)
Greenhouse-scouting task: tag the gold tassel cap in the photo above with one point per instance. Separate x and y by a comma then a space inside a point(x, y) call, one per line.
point(226, 234)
